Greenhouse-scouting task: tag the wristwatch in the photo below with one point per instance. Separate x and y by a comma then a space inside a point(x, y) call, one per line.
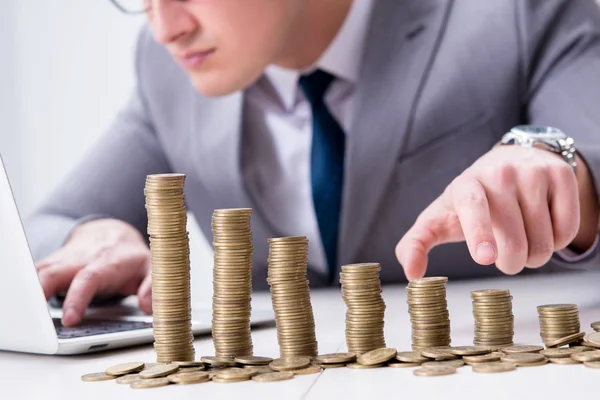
point(546, 137)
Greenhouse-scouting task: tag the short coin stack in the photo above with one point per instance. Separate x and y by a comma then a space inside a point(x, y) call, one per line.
point(290, 296)
point(494, 320)
point(428, 311)
point(558, 321)
point(232, 282)
point(361, 290)
point(170, 255)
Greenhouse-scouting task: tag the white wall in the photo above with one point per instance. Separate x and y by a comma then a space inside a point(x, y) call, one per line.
point(66, 69)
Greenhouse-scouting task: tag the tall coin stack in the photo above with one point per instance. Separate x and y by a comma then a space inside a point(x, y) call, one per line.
point(558, 321)
point(494, 320)
point(361, 291)
point(232, 282)
point(428, 311)
point(170, 257)
point(290, 295)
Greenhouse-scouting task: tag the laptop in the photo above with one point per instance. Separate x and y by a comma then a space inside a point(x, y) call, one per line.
point(31, 325)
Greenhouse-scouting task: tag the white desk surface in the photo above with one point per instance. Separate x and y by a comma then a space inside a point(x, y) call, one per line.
point(25, 376)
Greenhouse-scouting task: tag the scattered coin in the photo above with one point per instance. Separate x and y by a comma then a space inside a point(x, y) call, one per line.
point(442, 353)
point(338, 365)
point(469, 350)
point(127, 379)
point(273, 376)
point(189, 364)
point(335, 358)
point(361, 291)
point(592, 364)
point(434, 371)
point(290, 296)
point(595, 326)
point(97, 376)
point(149, 383)
point(560, 353)
point(313, 369)
point(574, 338)
point(411, 357)
point(522, 349)
point(486, 358)
point(563, 360)
point(124, 369)
point(586, 356)
point(290, 363)
point(494, 367)
point(377, 356)
point(403, 365)
point(259, 369)
point(189, 377)
point(521, 359)
point(362, 366)
point(428, 310)
point(448, 363)
point(159, 371)
point(234, 374)
point(253, 360)
point(593, 339)
point(219, 361)
point(494, 320)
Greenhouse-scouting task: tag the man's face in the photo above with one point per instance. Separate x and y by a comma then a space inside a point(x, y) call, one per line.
point(224, 45)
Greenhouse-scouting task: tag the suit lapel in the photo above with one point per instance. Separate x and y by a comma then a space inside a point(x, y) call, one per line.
point(401, 43)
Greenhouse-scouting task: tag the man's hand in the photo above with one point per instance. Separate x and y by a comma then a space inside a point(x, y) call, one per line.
point(514, 207)
point(104, 256)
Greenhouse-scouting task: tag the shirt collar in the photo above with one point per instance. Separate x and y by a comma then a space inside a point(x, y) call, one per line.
point(342, 58)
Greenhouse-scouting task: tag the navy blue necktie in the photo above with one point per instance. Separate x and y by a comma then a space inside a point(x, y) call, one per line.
point(326, 163)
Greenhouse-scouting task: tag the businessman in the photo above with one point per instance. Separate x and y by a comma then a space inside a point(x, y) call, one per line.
point(457, 138)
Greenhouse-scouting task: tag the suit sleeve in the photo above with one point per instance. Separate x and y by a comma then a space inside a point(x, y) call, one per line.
point(561, 63)
point(109, 181)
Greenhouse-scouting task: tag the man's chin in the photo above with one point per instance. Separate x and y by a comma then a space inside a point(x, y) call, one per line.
point(216, 85)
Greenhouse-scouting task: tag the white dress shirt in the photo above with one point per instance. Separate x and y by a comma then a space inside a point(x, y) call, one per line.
point(277, 135)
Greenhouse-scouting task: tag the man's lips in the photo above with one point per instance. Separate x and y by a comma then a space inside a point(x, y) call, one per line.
point(193, 59)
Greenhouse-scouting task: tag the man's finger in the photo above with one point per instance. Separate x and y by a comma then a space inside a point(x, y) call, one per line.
point(564, 207)
point(145, 295)
point(473, 210)
point(58, 256)
point(57, 277)
point(437, 224)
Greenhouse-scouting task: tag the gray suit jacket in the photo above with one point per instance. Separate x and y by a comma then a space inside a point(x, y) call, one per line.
point(441, 82)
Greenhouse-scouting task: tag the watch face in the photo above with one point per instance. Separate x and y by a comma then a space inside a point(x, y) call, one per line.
point(542, 132)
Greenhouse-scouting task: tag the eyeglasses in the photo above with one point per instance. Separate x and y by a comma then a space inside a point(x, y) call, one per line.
point(132, 6)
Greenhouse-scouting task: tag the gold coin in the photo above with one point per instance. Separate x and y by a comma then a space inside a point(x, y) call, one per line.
point(563, 361)
point(521, 359)
point(335, 358)
point(522, 349)
point(273, 376)
point(494, 367)
point(595, 326)
point(124, 369)
point(377, 356)
point(189, 364)
point(439, 353)
point(411, 357)
point(234, 373)
point(158, 371)
point(469, 350)
point(219, 361)
point(290, 363)
point(592, 364)
point(574, 338)
point(149, 383)
point(448, 363)
point(127, 379)
point(97, 376)
point(361, 366)
point(253, 360)
point(560, 353)
point(586, 356)
point(403, 364)
point(434, 371)
point(593, 339)
point(313, 369)
point(486, 358)
point(189, 377)
point(259, 369)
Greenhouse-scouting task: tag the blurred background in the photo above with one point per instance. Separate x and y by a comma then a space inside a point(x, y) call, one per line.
point(67, 68)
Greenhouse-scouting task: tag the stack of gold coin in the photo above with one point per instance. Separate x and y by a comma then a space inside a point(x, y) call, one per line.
point(361, 291)
point(232, 282)
point(494, 320)
point(170, 255)
point(428, 311)
point(558, 321)
point(290, 296)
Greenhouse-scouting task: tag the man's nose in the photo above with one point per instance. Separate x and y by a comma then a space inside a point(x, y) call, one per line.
point(169, 21)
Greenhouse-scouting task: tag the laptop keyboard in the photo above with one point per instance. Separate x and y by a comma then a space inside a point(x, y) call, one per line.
point(97, 327)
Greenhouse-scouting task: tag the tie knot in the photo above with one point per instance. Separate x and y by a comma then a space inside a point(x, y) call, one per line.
point(315, 85)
